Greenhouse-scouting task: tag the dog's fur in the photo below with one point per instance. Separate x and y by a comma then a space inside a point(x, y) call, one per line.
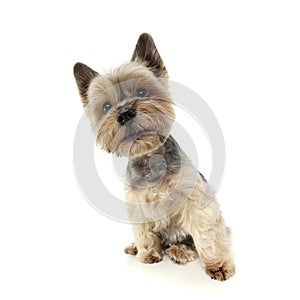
point(131, 113)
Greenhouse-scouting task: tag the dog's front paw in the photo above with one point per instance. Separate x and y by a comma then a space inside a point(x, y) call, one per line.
point(131, 249)
point(150, 256)
point(222, 272)
point(181, 254)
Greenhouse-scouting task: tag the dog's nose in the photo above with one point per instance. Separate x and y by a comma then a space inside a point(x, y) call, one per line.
point(125, 114)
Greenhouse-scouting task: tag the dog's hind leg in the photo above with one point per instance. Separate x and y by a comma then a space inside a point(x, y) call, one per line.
point(212, 240)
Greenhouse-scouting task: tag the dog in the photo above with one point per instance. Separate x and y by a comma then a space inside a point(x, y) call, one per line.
point(172, 207)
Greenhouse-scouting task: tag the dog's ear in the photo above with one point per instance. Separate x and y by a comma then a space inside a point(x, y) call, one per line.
point(83, 76)
point(145, 51)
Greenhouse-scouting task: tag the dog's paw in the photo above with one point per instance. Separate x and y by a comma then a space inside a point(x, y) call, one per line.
point(221, 273)
point(181, 254)
point(131, 249)
point(150, 257)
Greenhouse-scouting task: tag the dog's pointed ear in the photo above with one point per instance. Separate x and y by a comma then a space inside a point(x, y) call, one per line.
point(83, 76)
point(145, 51)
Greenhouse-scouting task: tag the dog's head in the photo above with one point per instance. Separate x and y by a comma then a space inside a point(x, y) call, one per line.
point(130, 108)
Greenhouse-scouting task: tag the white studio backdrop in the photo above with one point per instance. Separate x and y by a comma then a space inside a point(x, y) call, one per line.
point(241, 57)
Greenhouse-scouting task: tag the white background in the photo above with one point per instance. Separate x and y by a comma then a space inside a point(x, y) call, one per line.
point(242, 57)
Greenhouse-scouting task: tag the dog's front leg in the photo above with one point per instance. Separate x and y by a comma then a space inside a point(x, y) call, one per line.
point(148, 244)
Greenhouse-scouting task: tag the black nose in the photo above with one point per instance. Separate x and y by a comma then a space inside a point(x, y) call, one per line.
point(125, 114)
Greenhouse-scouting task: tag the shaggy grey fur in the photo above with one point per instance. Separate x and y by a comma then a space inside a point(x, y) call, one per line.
point(148, 170)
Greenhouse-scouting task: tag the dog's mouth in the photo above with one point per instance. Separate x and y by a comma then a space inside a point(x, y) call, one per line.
point(135, 136)
point(141, 135)
point(137, 141)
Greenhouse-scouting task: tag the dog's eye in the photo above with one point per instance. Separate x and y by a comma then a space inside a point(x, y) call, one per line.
point(142, 92)
point(106, 107)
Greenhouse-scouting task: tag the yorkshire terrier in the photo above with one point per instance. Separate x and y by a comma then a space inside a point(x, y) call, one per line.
point(172, 208)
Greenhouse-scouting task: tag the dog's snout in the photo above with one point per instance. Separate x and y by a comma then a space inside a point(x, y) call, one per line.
point(125, 114)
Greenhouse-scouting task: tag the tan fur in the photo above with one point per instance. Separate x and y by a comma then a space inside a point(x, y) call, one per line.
point(131, 249)
point(157, 117)
point(178, 212)
point(181, 254)
point(205, 225)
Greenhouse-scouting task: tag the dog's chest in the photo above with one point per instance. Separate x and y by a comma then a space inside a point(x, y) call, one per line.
point(170, 231)
point(150, 170)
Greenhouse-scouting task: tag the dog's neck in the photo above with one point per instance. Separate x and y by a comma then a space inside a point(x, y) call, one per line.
point(149, 169)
